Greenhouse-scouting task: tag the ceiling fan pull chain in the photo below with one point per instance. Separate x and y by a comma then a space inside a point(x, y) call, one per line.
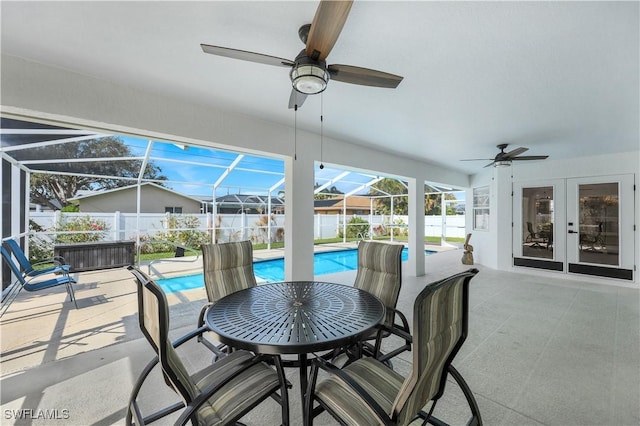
point(321, 121)
point(295, 130)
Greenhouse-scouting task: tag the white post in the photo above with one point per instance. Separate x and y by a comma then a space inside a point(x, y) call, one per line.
point(116, 226)
point(344, 219)
point(443, 224)
point(370, 218)
point(391, 221)
point(243, 224)
point(269, 222)
point(214, 211)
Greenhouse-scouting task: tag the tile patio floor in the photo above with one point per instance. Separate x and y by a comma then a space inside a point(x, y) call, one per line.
point(542, 350)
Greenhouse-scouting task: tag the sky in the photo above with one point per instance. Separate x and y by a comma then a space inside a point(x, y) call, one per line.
point(194, 170)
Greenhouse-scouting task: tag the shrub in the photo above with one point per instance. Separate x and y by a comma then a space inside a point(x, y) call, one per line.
point(40, 248)
point(83, 229)
point(181, 230)
point(355, 227)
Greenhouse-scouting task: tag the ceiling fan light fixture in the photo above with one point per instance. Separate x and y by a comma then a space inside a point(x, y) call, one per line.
point(309, 79)
point(308, 76)
point(502, 163)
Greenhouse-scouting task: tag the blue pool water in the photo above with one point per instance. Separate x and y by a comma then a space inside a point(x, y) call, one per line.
point(273, 270)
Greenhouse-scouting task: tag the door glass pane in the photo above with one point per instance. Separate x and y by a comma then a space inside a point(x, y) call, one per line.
point(537, 222)
point(598, 220)
point(481, 208)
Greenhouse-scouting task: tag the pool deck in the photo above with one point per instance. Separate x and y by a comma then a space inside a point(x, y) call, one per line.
point(43, 326)
point(542, 349)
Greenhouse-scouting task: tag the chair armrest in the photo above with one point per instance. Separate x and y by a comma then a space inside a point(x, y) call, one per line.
point(59, 265)
point(319, 363)
point(201, 323)
point(203, 311)
point(190, 335)
point(401, 330)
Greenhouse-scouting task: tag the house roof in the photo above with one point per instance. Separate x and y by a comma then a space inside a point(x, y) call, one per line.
point(247, 200)
point(338, 203)
point(79, 198)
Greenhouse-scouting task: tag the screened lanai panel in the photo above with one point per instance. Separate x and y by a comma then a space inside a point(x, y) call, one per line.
point(16, 133)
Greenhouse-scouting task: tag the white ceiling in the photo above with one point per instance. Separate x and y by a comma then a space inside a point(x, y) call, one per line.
point(561, 78)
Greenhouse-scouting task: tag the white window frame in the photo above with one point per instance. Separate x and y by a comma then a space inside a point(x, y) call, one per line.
point(481, 208)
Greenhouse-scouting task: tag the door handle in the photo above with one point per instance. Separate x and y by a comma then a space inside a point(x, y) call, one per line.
point(570, 231)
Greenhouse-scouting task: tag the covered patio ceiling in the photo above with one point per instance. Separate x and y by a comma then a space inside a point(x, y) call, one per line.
point(558, 77)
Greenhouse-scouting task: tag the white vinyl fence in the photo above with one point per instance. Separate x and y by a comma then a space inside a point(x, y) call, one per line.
point(258, 228)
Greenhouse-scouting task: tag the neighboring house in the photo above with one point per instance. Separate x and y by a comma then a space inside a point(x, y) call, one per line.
point(250, 204)
point(153, 199)
point(355, 205)
point(40, 208)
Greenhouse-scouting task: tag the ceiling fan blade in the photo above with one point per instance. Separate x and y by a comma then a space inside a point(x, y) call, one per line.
point(326, 27)
point(477, 159)
point(489, 165)
point(246, 56)
point(515, 152)
point(296, 98)
point(532, 157)
point(363, 76)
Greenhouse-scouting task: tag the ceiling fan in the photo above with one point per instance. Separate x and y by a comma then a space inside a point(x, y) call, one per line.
point(505, 158)
point(309, 71)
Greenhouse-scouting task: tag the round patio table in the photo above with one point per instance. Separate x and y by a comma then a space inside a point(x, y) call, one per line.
point(294, 317)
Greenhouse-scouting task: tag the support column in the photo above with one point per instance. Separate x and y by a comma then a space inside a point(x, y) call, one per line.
point(502, 216)
point(298, 237)
point(416, 227)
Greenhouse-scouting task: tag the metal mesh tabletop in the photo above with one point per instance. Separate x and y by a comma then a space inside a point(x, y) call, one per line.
point(294, 317)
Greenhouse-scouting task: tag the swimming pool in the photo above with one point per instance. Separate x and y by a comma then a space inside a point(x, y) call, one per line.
point(273, 270)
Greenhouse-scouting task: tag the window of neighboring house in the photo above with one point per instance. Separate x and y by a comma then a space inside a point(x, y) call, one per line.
point(481, 208)
point(177, 210)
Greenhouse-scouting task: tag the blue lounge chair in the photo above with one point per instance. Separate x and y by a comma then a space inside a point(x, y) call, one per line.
point(32, 283)
point(28, 269)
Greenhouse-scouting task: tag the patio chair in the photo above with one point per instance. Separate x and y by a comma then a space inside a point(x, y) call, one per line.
point(59, 264)
point(368, 392)
point(228, 267)
point(593, 239)
point(534, 237)
point(380, 273)
point(219, 394)
point(39, 282)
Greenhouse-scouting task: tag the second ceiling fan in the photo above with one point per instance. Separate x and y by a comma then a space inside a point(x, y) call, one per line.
point(309, 71)
point(505, 158)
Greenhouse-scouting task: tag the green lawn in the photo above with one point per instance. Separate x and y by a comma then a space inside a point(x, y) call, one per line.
point(430, 240)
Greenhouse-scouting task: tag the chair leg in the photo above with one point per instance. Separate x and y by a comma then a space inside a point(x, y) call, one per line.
point(476, 419)
point(72, 294)
point(284, 393)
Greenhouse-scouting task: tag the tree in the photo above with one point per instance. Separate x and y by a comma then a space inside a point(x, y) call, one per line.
point(324, 195)
point(432, 202)
point(393, 187)
point(83, 175)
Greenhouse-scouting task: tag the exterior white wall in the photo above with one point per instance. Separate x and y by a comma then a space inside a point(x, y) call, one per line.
point(152, 200)
point(493, 248)
point(38, 91)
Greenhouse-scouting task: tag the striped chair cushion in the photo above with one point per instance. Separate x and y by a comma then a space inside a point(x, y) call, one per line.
point(382, 383)
point(241, 392)
point(228, 267)
point(440, 315)
point(379, 273)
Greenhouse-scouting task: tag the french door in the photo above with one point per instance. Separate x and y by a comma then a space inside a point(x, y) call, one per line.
point(581, 225)
point(539, 211)
point(600, 226)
